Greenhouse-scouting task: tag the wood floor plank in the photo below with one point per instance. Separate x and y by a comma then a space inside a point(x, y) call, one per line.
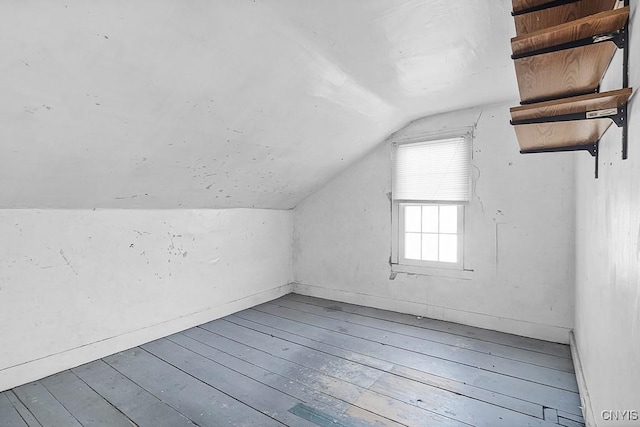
point(293, 370)
point(328, 364)
point(201, 403)
point(47, 410)
point(458, 387)
point(325, 363)
point(507, 415)
point(573, 417)
point(140, 406)
point(430, 335)
point(9, 416)
point(26, 415)
point(246, 390)
point(498, 400)
point(304, 361)
point(407, 414)
point(569, 423)
point(526, 390)
point(371, 419)
point(439, 325)
point(223, 329)
point(307, 377)
point(87, 406)
point(514, 368)
point(305, 383)
point(551, 415)
point(298, 382)
point(462, 408)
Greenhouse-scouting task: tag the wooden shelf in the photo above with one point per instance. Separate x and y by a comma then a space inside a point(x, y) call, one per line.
point(544, 73)
point(600, 23)
point(561, 52)
point(552, 16)
point(575, 132)
point(563, 73)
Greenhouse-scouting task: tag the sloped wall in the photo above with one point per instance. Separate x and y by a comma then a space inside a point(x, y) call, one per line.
point(77, 285)
point(519, 237)
point(607, 327)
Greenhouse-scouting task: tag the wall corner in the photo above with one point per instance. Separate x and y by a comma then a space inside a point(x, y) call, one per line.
point(585, 400)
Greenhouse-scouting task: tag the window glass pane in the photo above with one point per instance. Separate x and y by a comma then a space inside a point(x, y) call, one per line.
point(430, 219)
point(412, 219)
point(430, 247)
point(448, 248)
point(412, 245)
point(448, 219)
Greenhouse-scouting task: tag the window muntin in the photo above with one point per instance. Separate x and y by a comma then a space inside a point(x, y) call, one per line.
point(431, 234)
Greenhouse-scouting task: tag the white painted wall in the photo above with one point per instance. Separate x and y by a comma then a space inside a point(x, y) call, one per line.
point(216, 103)
point(520, 237)
point(76, 285)
point(607, 325)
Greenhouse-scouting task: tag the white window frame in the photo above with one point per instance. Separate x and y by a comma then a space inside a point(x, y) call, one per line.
point(458, 265)
point(399, 264)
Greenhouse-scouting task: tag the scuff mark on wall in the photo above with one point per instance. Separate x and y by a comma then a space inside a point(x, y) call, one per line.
point(475, 125)
point(476, 169)
point(498, 224)
point(474, 185)
point(174, 249)
point(67, 262)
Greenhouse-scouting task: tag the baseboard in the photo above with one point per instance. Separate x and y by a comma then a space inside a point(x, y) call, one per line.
point(36, 369)
point(502, 324)
point(585, 399)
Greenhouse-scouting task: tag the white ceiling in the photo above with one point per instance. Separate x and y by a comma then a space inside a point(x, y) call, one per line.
point(234, 103)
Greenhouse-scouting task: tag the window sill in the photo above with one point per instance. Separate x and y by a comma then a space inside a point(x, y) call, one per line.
point(432, 271)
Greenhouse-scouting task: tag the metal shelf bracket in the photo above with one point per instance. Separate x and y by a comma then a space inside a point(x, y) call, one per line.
point(618, 115)
point(592, 149)
point(625, 84)
point(543, 7)
point(619, 38)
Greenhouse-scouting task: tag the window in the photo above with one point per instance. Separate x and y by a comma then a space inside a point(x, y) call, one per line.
point(431, 186)
point(431, 233)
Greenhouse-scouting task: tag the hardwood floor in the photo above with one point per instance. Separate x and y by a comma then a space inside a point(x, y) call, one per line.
point(302, 361)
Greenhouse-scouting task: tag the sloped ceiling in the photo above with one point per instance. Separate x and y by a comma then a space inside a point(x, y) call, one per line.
point(226, 103)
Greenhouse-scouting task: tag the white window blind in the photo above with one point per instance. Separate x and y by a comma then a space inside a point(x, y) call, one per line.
point(433, 170)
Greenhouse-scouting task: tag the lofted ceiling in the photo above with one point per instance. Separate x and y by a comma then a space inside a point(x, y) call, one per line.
point(226, 103)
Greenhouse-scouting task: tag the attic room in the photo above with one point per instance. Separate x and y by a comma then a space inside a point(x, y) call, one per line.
point(287, 213)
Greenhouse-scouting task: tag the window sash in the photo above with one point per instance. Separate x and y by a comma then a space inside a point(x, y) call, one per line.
point(400, 241)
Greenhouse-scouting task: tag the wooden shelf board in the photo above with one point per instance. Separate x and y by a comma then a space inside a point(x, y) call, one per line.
point(571, 133)
point(561, 134)
point(563, 73)
point(576, 104)
point(536, 21)
point(603, 22)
